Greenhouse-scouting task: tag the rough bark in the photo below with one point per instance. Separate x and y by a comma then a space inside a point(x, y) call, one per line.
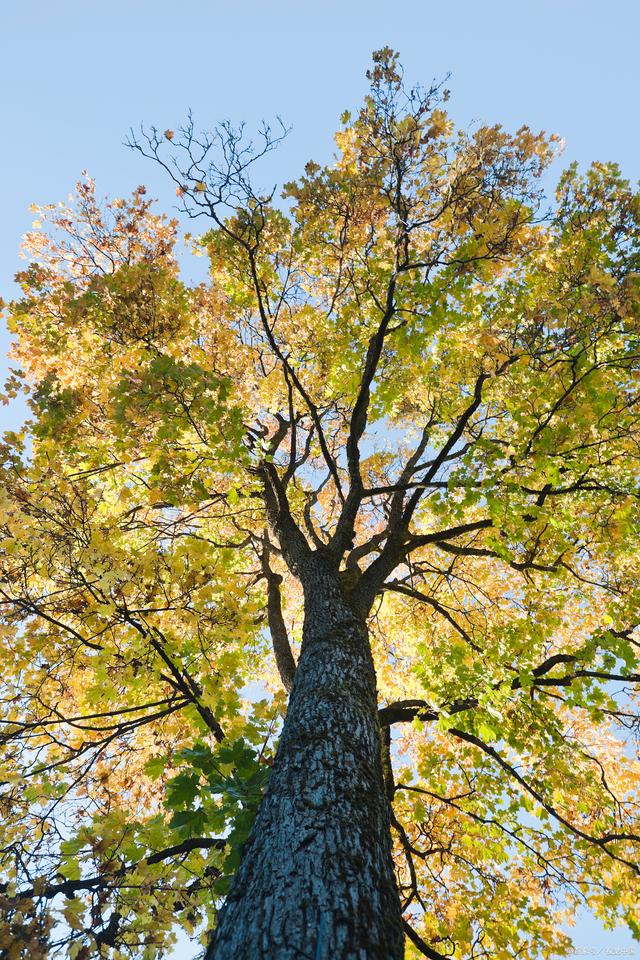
point(285, 661)
point(316, 879)
point(279, 639)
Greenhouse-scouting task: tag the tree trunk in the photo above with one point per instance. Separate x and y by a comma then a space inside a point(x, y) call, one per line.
point(316, 879)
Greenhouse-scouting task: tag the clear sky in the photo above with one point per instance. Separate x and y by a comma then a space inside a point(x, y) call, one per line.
point(74, 76)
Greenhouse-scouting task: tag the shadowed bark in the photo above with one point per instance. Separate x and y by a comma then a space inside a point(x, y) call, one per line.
point(285, 661)
point(317, 878)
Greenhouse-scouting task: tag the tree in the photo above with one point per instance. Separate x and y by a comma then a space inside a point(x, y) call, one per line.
point(319, 578)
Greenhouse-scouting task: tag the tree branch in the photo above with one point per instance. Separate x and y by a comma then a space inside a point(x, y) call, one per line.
point(69, 888)
point(277, 628)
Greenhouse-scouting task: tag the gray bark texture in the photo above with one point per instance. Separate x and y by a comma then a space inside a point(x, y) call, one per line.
point(316, 879)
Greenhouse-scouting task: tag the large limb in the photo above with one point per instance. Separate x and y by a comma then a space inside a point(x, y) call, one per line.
point(293, 543)
point(602, 842)
point(105, 881)
point(403, 711)
point(277, 628)
point(398, 545)
point(395, 548)
point(343, 536)
point(408, 710)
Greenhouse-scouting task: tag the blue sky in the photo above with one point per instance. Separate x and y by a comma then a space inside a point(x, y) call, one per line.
point(76, 75)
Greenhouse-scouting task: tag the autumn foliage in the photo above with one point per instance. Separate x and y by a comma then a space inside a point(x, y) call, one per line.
point(433, 372)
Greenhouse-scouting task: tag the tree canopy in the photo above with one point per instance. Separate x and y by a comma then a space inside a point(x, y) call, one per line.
point(412, 363)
